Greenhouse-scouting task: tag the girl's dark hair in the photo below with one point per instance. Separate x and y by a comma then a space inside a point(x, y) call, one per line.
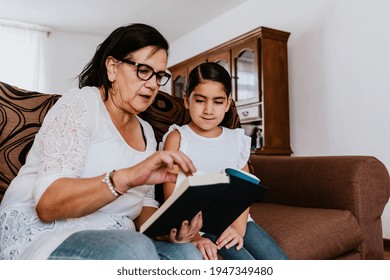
point(209, 71)
point(119, 44)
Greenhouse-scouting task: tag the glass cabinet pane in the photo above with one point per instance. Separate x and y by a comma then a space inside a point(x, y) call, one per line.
point(179, 85)
point(246, 76)
point(224, 64)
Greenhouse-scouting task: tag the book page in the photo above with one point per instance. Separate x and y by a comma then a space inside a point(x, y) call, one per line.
point(180, 179)
point(200, 178)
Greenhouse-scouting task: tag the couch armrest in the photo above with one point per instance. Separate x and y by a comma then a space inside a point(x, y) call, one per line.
point(359, 184)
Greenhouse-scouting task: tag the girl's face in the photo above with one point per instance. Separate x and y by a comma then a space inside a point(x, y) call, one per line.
point(129, 93)
point(207, 105)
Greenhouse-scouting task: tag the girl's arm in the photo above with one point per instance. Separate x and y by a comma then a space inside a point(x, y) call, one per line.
point(172, 143)
point(145, 214)
point(234, 234)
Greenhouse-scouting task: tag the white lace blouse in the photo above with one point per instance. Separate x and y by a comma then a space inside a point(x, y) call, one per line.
point(77, 140)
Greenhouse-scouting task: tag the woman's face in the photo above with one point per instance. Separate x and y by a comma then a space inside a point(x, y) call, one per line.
point(130, 93)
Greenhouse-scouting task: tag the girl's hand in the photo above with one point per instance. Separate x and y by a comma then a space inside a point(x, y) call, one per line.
point(207, 248)
point(229, 238)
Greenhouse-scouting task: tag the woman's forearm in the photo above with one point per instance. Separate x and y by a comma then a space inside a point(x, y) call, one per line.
point(73, 198)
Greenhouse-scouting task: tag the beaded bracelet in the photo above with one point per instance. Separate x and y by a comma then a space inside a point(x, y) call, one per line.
point(108, 181)
point(112, 183)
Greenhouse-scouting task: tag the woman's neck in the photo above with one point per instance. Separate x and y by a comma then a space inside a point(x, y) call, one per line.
point(127, 125)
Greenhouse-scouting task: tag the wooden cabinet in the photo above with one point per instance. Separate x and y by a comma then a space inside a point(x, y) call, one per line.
point(180, 75)
point(257, 63)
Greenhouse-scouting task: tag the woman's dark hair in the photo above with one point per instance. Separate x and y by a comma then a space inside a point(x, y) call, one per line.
point(209, 71)
point(119, 44)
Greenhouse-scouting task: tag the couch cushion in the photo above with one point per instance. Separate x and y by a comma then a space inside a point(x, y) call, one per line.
point(21, 116)
point(309, 233)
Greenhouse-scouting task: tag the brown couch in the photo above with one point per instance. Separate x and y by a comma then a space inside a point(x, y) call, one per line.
point(315, 208)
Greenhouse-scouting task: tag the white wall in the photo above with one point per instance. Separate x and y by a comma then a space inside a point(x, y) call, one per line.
point(339, 66)
point(66, 54)
point(339, 63)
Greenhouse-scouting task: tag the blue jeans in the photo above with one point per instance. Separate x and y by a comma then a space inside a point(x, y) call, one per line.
point(119, 245)
point(177, 251)
point(258, 245)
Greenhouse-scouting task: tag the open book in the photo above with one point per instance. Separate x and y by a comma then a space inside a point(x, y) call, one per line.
point(222, 198)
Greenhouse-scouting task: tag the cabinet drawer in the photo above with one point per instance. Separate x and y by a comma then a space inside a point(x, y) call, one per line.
point(249, 113)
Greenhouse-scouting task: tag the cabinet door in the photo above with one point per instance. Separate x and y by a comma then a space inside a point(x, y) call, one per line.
point(223, 59)
point(179, 78)
point(246, 73)
point(193, 63)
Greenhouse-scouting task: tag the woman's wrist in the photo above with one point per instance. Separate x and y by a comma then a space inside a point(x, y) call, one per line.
point(108, 179)
point(128, 177)
point(115, 186)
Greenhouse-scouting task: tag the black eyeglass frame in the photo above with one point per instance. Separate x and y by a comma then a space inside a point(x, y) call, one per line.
point(159, 75)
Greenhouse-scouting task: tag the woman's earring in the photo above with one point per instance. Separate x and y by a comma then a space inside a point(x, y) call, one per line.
point(115, 88)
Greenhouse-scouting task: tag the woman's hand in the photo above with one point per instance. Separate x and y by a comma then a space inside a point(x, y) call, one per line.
point(186, 232)
point(158, 168)
point(229, 238)
point(208, 249)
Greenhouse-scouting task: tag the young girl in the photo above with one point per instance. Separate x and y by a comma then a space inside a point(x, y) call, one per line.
point(213, 148)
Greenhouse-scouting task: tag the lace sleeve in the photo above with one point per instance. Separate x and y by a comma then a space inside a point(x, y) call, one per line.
point(64, 139)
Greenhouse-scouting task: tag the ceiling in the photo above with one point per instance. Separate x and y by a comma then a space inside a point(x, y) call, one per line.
point(174, 18)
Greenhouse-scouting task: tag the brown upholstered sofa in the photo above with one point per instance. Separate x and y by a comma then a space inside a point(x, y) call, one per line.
point(315, 208)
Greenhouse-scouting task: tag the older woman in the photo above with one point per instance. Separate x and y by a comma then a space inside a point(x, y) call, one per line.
point(88, 181)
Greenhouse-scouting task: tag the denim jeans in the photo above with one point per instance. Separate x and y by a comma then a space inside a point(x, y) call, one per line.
point(258, 245)
point(177, 251)
point(119, 245)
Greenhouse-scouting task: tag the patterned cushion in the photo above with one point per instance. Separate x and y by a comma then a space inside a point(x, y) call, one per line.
point(21, 116)
point(22, 113)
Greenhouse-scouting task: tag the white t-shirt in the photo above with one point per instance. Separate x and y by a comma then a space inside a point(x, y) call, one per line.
point(212, 155)
point(77, 140)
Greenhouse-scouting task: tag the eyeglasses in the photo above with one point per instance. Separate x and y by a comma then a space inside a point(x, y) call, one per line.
point(145, 72)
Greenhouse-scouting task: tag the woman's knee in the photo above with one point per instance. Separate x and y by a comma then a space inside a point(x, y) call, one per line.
point(177, 251)
point(106, 245)
point(134, 245)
